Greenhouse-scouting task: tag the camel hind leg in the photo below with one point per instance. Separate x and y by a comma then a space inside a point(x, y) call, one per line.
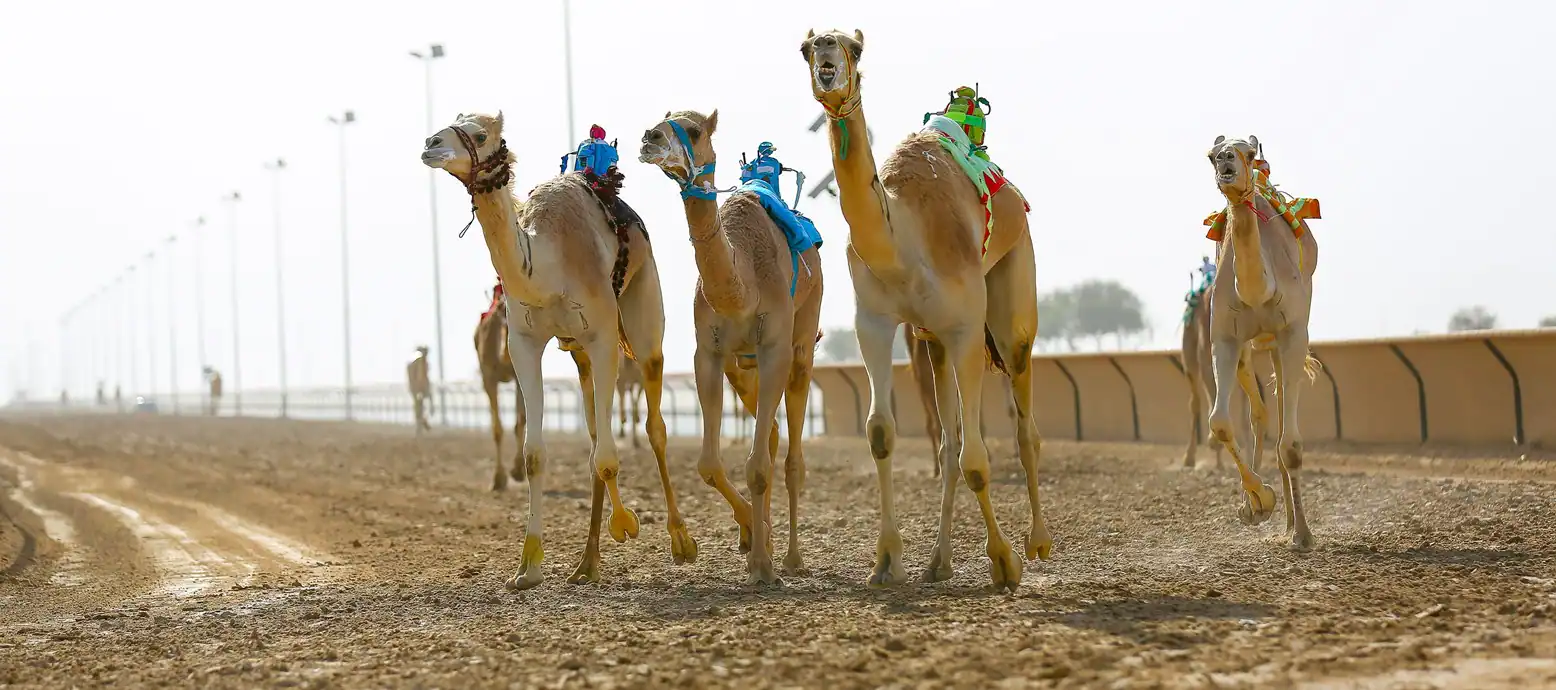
point(924, 380)
point(642, 323)
point(588, 569)
point(1012, 323)
point(1291, 364)
point(796, 397)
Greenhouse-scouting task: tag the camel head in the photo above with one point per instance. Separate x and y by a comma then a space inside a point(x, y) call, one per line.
point(472, 150)
point(421, 350)
point(834, 67)
point(681, 145)
point(1234, 161)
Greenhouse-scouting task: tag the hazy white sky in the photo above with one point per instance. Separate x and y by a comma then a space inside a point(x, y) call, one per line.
point(1421, 126)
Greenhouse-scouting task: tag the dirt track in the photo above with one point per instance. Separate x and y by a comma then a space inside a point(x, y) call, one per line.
point(244, 553)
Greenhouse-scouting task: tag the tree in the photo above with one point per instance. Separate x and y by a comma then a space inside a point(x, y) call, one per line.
point(1475, 318)
point(1106, 307)
point(1056, 317)
point(1548, 322)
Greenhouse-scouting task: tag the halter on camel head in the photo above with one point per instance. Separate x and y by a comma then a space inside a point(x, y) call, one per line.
point(689, 188)
point(497, 163)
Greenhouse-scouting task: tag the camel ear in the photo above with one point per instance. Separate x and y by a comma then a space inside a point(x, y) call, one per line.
point(805, 44)
point(712, 122)
point(1219, 139)
point(498, 121)
point(1254, 142)
point(857, 48)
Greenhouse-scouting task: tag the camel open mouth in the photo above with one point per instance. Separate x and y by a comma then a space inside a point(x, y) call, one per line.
point(653, 154)
point(1226, 174)
point(826, 74)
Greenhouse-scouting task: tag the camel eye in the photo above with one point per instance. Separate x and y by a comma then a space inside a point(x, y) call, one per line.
point(480, 137)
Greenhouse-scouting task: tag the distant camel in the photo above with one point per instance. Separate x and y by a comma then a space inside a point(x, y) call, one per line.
point(214, 379)
point(421, 388)
point(629, 384)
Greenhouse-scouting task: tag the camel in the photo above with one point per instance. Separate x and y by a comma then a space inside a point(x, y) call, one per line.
point(491, 352)
point(925, 249)
point(924, 381)
point(575, 269)
point(1261, 296)
point(629, 383)
point(421, 388)
point(758, 305)
point(1197, 368)
point(213, 379)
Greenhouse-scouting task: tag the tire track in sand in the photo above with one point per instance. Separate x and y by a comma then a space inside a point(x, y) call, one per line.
point(195, 547)
point(58, 527)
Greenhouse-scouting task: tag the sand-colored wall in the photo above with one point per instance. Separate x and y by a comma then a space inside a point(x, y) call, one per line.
point(1379, 386)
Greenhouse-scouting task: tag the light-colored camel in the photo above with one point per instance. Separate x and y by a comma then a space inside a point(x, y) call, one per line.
point(1197, 367)
point(924, 381)
point(629, 383)
point(1262, 295)
point(213, 382)
point(421, 388)
point(917, 254)
point(557, 254)
point(745, 314)
point(491, 352)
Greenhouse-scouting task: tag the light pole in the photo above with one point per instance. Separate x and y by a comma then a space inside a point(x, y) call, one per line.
point(151, 323)
point(434, 52)
point(120, 371)
point(129, 314)
point(232, 246)
point(345, 257)
point(172, 325)
point(199, 261)
point(275, 169)
point(567, 61)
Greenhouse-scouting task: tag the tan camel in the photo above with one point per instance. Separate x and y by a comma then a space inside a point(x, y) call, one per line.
point(756, 305)
point(491, 352)
point(1197, 367)
point(567, 274)
point(924, 381)
point(421, 389)
point(918, 254)
point(213, 381)
point(629, 383)
point(1262, 295)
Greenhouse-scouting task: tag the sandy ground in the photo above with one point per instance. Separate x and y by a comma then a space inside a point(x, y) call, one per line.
point(255, 553)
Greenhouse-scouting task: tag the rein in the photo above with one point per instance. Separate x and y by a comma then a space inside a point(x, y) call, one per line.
point(689, 188)
point(496, 163)
point(850, 105)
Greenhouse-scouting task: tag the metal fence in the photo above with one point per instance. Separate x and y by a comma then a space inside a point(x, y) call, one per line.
point(464, 406)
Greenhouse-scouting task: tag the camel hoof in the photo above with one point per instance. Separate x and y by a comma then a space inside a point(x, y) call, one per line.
point(588, 571)
point(939, 569)
point(499, 481)
point(794, 564)
point(1303, 541)
point(761, 572)
point(1040, 545)
point(523, 580)
point(517, 472)
point(1258, 506)
point(745, 539)
point(1005, 568)
point(624, 524)
point(888, 571)
point(683, 548)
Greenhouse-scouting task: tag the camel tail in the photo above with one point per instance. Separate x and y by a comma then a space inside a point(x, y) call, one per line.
point(621, 338)
point(1312, 366)
point(991, 354)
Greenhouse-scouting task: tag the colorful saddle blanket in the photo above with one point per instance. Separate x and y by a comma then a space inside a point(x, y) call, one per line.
point(1293, 209)
point(797, 229)
point(496, 300)
point(985, 175)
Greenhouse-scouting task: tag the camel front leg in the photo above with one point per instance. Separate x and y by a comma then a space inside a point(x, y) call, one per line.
point(1291, 365)
point(1249, 381)
point(1229, 422)
point(875, 333)
point(636, 420)
point(607, 465)
point(519, 425)
point(1196, 405)
point(949, 448)
point(709, 367)
point(525, 351)
point(683, 549)
point(499, 477)
point(966, 354)
point(774, 364)
point(1029, 443)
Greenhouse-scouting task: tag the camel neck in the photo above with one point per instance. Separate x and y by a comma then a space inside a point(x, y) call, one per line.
point(863, 199)
point(1254, 286)
point(497, 212)
point(721, 283)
